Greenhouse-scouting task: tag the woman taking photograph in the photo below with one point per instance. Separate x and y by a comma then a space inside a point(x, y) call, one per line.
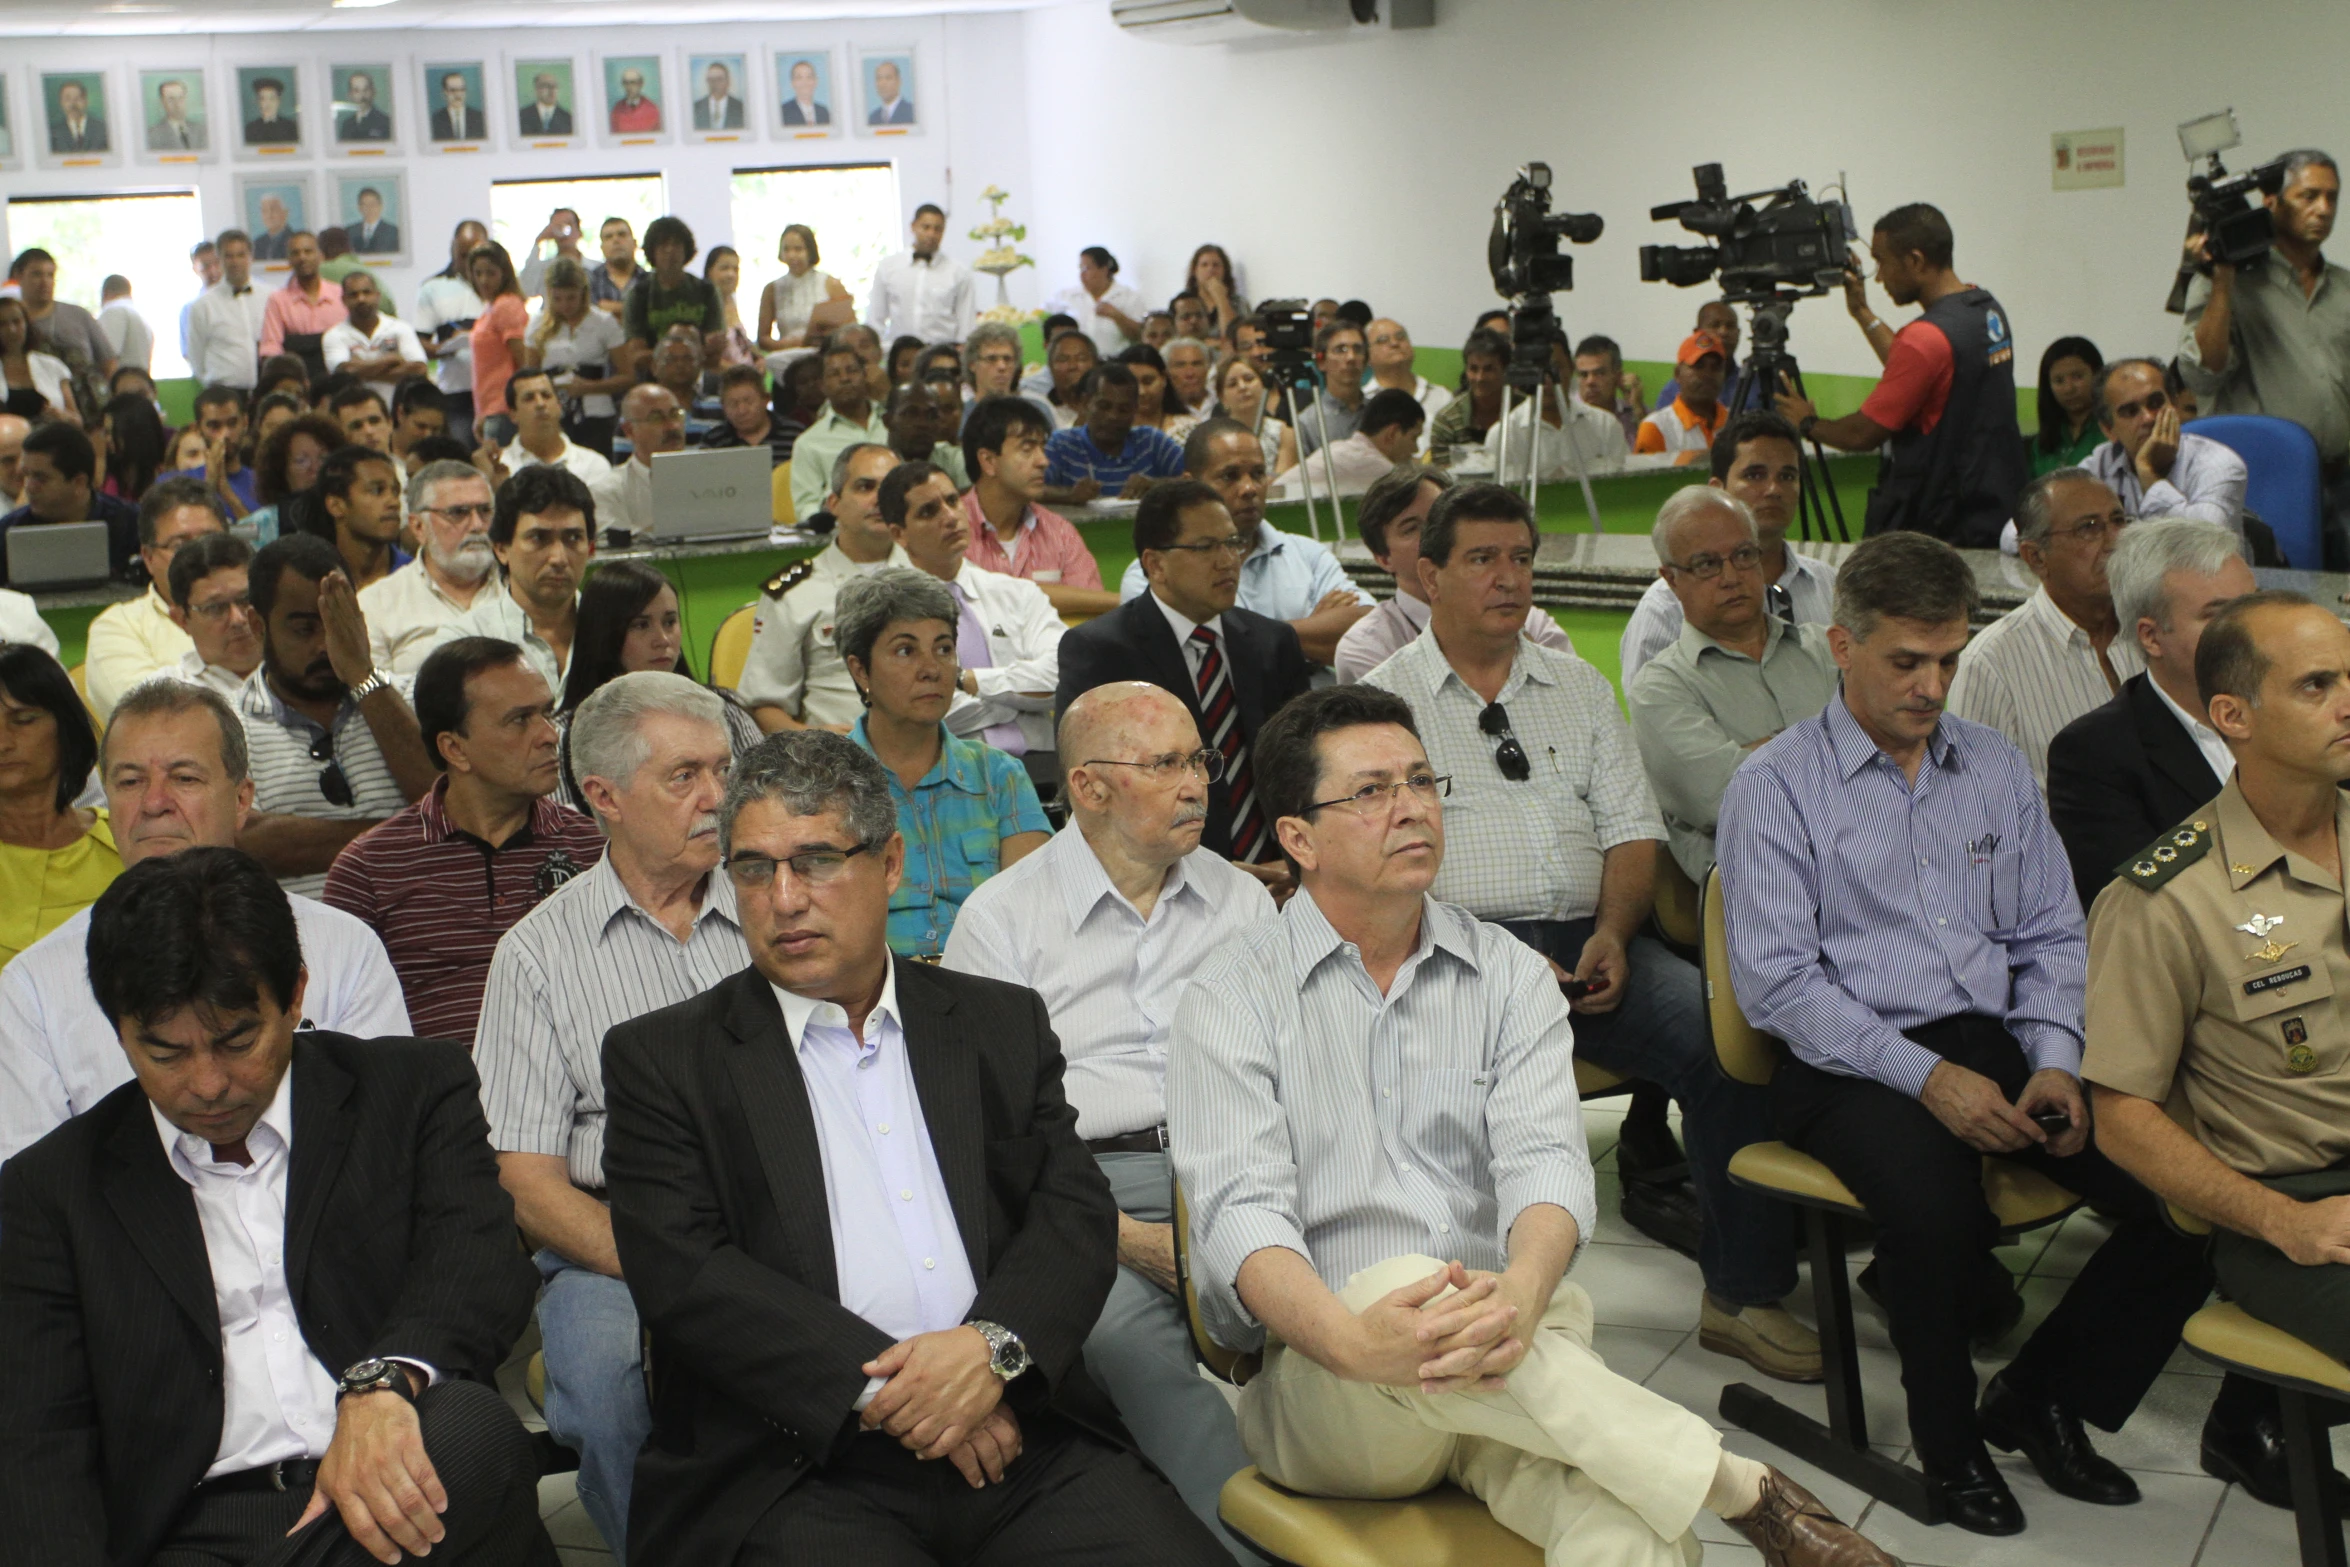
point(1240, 394)
point(577, 341)
point(1210, 277)
point(788, 309)
point(497, 338)
point(39, 385)
point(2068, 405)
point(54, 859)
point(722, 269)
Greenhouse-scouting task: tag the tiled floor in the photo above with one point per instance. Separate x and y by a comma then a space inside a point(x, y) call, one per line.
point(1647, 1300)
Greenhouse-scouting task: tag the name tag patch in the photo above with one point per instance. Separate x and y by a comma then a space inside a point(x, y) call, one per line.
point(2254, 987)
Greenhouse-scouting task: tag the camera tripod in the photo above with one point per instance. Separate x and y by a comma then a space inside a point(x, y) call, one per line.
point(1535, 335)
point(1295, 373)
point(1765, 367)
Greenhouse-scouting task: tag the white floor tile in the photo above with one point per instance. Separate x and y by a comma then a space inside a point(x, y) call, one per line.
point(1694, 1378)
point(2076, 1241)
point(1640, 1286)
point(557, 1492)
point(1635, 1353)
point(1845, 1501)
point(2166, 1432)
point(569, 1526)
point(2248, 1533)
point(2165, 1529)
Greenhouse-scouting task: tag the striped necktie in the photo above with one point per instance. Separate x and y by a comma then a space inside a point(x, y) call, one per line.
point(1220, 719)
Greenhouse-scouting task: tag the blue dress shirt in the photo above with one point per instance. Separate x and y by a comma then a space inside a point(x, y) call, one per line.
point(1071, 455)
point(1859, 906)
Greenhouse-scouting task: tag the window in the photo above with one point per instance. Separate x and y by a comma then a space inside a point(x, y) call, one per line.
point(145, 239)
point(852, 207)
point(519, 209)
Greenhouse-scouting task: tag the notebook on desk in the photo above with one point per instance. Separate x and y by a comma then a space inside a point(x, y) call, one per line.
point(728, 493)
point(57, 555)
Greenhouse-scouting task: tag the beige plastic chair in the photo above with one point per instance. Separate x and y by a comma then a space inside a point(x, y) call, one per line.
point(730, 649)
point(779, 496)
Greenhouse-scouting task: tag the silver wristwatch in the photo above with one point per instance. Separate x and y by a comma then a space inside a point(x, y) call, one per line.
point(1007, 1357)
point(376, 680)
point(374, 1375)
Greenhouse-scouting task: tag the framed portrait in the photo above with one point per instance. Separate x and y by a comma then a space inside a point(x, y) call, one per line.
point(275, 207)
point(546, 101)
point(366, 124)
point(721, 111)
point(634, 108)
point(886, 78)
point(175, 117)
point(271, 122)
point(803, 93)
point(371, 208)
point(11, 146)
point(78, 115)
point(457, 92)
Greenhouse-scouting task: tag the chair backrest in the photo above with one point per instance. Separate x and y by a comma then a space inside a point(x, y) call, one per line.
point(730, 649)
point(2283, 479)
point(1676, 900)
point(779, 495)
point(1745, 1052)
point(1232, 1365)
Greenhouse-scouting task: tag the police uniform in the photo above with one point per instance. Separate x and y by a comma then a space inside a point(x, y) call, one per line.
point(792, 663)
point(2219, 970)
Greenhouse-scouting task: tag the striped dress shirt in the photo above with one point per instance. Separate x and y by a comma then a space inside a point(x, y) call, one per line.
point(587, 958)
point(1110, 978)
point(1310, 1112)
point(2032, 671)
point(286, 776)
point(1809, 583)
point(1859, 905)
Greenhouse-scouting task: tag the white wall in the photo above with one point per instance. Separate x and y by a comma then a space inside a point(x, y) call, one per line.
point(1368, 166)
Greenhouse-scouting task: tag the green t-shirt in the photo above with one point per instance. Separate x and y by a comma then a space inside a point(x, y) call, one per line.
point(2071, 455)
point(652, 310)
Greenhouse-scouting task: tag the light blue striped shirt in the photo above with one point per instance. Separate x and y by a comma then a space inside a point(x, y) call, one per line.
point(1858, 906)
point(1307, 1111)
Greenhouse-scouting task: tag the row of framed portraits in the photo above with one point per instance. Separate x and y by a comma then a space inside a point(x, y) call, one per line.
point(370, 206)
point(524, 101)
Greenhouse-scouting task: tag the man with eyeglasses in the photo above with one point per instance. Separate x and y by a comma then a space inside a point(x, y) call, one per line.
point(2158, 469)
point(210, 601)
point(409, 611)
point(654, 421)
point(992, 354)
point(2062, 652)
point(1371, 1103)
point(138, 638)
point(1555, 839)
point(650, 925)
point(1108, 923)
point(543, 532)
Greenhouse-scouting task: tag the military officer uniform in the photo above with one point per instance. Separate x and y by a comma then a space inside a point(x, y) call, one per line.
point(2219, 977)
point(793, 664)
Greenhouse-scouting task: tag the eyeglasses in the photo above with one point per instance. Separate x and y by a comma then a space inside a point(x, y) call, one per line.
point(1510, 757)
point(1231, 544)
point(1429, 787)
point(220, 609)
point(813, 866)
point(1208, 763)
point(331, 782)
point(479, 513)
point(2094, 529)
point(1705, 568)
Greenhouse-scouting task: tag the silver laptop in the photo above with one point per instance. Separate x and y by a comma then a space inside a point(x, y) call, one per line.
point(57, 555)
point(724, 494)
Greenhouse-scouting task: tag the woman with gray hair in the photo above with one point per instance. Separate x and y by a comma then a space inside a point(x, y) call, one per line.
point(966, 809)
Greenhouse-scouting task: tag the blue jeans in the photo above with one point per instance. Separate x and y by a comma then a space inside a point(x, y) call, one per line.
point(1747, 1247)
point(595, 1386)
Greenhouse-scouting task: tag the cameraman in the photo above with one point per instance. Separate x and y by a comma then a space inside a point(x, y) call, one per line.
point(2275, 337)
point(1947, 398)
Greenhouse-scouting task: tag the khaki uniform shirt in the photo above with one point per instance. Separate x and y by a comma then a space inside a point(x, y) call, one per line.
point(2223, 970)
point(792, 663)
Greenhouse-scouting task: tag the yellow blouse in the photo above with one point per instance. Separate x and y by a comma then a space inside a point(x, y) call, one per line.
point(40, 889)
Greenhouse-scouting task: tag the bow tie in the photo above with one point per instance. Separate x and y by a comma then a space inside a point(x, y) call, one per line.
point(234, 292)
point(923, 259)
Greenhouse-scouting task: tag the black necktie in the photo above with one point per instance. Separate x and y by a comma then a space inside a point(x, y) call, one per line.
point(1782, 602)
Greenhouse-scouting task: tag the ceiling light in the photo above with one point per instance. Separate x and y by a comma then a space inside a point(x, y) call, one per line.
point(359, 5)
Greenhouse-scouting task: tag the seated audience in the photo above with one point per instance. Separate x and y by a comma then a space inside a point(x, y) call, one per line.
point(366, 419)
point(1152, 406)
point(59, 471)
point(137, 638)
point(867, 343)
point(908, 1331)
point(358, 512)
point(992, 355)
point(965, 809)
point(36, 385)
point(901, 358)
point(55, 857)
point(793, 677)
point(1004, 453)
point(2120, 774)
point(584, 346)
point(2181, 395)
point(2061, 652)
point(1687, 424)
point(210, 601)
point(1108, 923)
point(543, 532)
point(381, 350)
point(1388, 433)
point(731, 343)
point(1158, 330)
point(2158, 469)
point(386, 1252)
point(1243, 395)
point(2070, 372)
point(285, 470)
point(1390, 352)
point(1602, 382)
point(1188, 396)
point(1110, 454)
point(1758, 460)
point(919, 423)
point(648, 925)
point(653, 423)
point(450, 508)
point(940, 367)
point(1924, 968)
point(1472, 415)
point(539, 437)
point(1232, 668)
point(1382, 1361)
point(849, 418)
point(13, 430)
point(1340, 353)
point(1067, 364)
point(332, 742)
point(1556, 841)
point(134, 448)
point(173, 764)
point(441, 880)
point(1211, 279)
point(677, 368)
point(2260, 1155)
point(420, 412)
point(749, 421)
point(1736, 676)
point(1718, 319)
point(284, 375)
point(1389, 519)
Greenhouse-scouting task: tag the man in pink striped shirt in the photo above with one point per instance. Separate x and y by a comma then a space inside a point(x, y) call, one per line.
point(299, 315)
point(1003, 450)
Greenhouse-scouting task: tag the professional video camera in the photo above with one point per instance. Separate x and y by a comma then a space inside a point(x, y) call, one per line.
point(2236, 229)
point(1523, 249)
point(1289, 326)
point(1792, 242)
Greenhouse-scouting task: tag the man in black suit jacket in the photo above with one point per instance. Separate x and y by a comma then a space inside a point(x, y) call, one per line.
point(1191, 554)
point(155, 1408)
point(455, 119)
point(853, 1209)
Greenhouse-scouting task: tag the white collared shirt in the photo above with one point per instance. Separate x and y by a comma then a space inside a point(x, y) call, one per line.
point(409, 614)
point(344, 342)
point(220, 678)
point(224, 335)
point(2207, 739)
point(1193, 654)
point(2033, 671)
point(602, 478)
point(1024, 634)
point(929, 299)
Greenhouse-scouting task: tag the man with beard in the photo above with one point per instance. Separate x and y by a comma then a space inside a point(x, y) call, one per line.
point(543, 529)
point(334, 746)
point(409, 611)
point(299, 315)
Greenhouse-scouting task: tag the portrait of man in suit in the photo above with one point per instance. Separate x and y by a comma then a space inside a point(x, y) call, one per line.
point(77, 114)
point(178, 120)
point(718, 109)
point(634, 110)
point(360, 115)
point(372, 234)
point(888, 91)
point(273, 216)
point(274, 121)
point(805, 94)
point(544, 111)
point(458, 118)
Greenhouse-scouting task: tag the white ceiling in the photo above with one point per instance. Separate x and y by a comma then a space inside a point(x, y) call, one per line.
point(47, 18)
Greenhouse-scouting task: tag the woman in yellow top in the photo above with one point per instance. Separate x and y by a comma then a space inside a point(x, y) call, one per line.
point(54, 859)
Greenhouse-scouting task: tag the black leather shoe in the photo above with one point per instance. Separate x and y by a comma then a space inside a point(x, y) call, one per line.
point(1645, 1150)
point(2252, 1455)
point(1665, 1214)
point(1976, 1498)
point(2053, 1439)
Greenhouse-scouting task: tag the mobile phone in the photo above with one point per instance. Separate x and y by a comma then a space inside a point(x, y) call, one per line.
point(1576, 989)
point(2051, 1120)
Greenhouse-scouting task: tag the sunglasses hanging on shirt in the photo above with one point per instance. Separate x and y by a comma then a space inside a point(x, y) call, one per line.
point(1509, 756)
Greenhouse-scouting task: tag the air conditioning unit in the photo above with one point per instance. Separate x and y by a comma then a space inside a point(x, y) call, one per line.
point(1222, 21)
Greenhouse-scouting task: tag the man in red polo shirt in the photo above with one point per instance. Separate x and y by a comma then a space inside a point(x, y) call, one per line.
point(443, 879)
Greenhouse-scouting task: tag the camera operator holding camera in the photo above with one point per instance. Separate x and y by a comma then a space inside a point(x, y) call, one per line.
point(2273, 336)
point(1947, 398)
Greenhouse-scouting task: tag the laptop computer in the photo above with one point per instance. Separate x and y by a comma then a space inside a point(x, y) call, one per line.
point(724, 494)
point(57, 555)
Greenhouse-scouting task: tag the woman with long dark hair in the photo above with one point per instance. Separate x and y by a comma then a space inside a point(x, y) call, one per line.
point(54, 859)
point(1210, 277)
point(1150, 384)
point(135, 446)
point(2068, 405)
point(497, 337)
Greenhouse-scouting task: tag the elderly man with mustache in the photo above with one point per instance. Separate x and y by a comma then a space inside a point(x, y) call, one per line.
point(410, 611)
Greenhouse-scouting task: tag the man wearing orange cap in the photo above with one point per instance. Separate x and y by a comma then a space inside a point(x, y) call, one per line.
point(1688, 424)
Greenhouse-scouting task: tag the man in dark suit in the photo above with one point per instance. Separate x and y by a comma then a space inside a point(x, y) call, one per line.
point(718, 109)
point(371, 235)
point(801, 108)
point(185, 1268)
point(891, 109)
point(852, 1207)
point(1233, 669)
point(362, 120)
point(2124, 773)
point(455, 119)
point(73, 128)
point(544, 115)
point(269, 126)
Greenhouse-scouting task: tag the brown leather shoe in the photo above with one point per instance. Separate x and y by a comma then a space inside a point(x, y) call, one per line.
point(1792, 1529)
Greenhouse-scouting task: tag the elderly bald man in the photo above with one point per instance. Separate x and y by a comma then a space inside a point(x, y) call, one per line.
point(1108, 922)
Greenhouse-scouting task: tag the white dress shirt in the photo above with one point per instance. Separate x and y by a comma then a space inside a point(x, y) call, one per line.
point(344, 342)
point(1810, 586)
point(409, 614)
point(1024, 634)
point(929, 299)
point(1109, 975)
point(604, 481)
point(2033, 671)
point(1598, 445)
point(2207, 739)
point(444, 299)
point(224, 336)
point(128, 334)
point(20, 621)
point(1108, 336)
point(220, 678)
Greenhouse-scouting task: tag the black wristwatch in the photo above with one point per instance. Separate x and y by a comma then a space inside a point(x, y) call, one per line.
point(1804, 429)
point(1008, 1358)
point(374, 1375)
